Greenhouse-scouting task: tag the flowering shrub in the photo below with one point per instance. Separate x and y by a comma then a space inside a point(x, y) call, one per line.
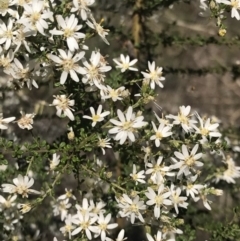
point(118, 162)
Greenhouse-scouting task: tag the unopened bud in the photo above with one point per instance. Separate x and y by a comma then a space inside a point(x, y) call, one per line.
point(71, 134)
point(222, 32)
point(109, 174)
point(133, 194)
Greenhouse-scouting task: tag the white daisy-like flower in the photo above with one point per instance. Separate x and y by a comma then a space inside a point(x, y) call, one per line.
point(103, 225)
point(137, 176)
point(7, 203)
point(24, 207)
point(84, 223)
point(154, 75)
point(63, 104)
point(104, 143)
point(127, 126)
point(26, 121)
point(207, 129)
point(55, 161)
point(232, 172)
point(5, 7)
point(161, 132)
point(34, 17)
point(125, 63)
point(21, 186)
point(158, 167)
point(183, 118)
point(81, 7)
point(5, 60)
point(94, 70)
point(66, 230)
point(131, 207)
point(61, 208)
point(159, 200)
point(177, 200)
point(96, 117)
point(191, 188)
point(7, 34)
point(187, 161)
point(68, 64)
point(67, 195)
point(70, 31)
point(4, 122)
point(97, 208)
point(158, 237)
point(120, 236)
point(84, 208)
point(99, 29)
point(235, 5)
point(108, 92)
point(24, 73)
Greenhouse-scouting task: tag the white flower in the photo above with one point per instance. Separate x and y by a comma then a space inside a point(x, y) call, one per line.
point(21, 186)
point(235, 4)
point(4, 122)
point(5, 61)
point(207, 129)
point(4, 7)
point(68, 227)
point(85, 223)
point(99, 29)
point(97, 208)
point(20, 38)
point(63, 104)
point(68, 64)
point(34, 16)
point(81, 6)
point(125, 63)
point(127, 125)
point(24, 207)
point(24, 74)
point(7, 203)
point(7, 33)
point(131, 207)
point(85, 208)
point(55, 161)
point(104, 226)
point(160, 199)
point(187, 162)
point(191, 188)
point(154, 76)
point(120, 236)
point(177, 200)
point(94, 71)
point(158, 237)
point(70, 31)
point(161, 132)
point(108, 92)
point(230, 173)
point(26, 121)
point(96, 117)
point(159, 168)
point(61, 208)
point(183, 118)
point(68, 194)
point(104, 143)
point(137, 177)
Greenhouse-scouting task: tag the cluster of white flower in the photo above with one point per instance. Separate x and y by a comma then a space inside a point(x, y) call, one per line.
point(88, 218)
point(234, 4)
